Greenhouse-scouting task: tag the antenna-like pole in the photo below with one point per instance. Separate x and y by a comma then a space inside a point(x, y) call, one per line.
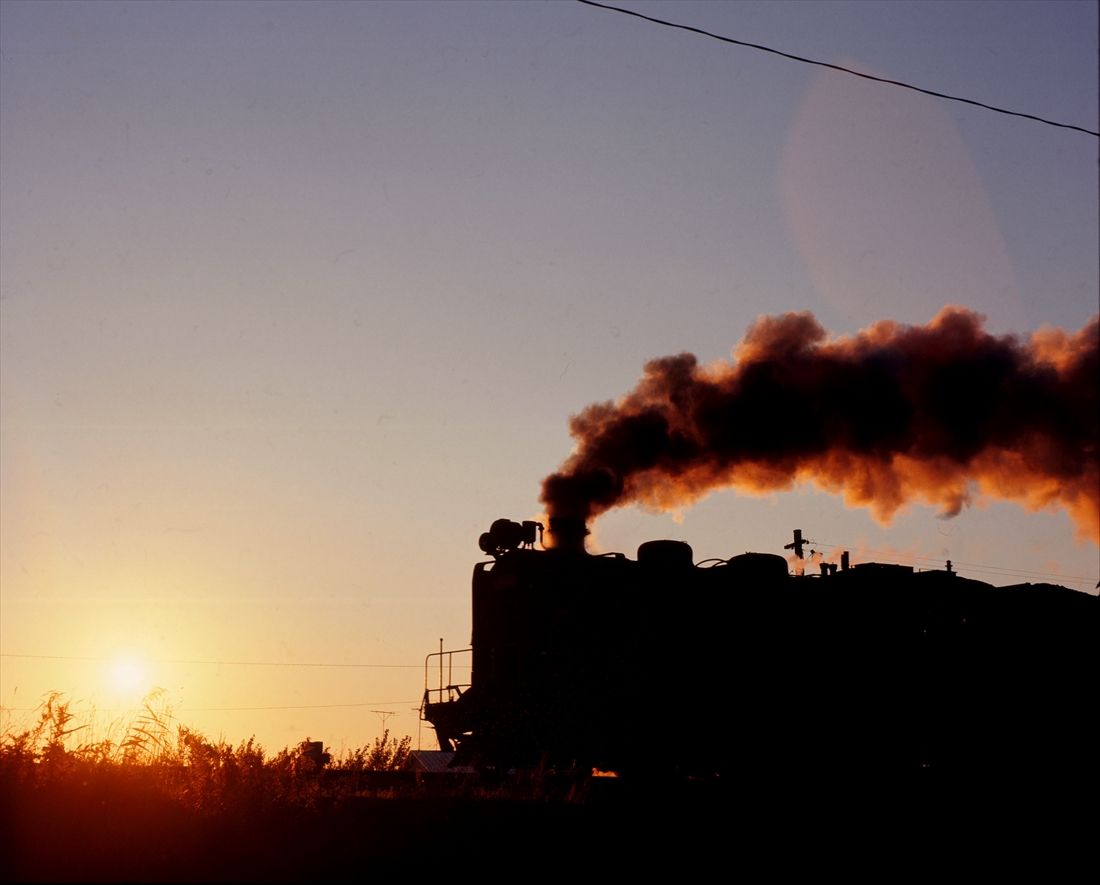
point(796, 546)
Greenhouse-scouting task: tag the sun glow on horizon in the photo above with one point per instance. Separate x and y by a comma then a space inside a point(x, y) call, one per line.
point(128, 676)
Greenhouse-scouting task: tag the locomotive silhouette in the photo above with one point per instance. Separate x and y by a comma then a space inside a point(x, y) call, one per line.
point(739, 670)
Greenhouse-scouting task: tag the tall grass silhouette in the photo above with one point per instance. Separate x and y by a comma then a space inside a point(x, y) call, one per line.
point(182, 764)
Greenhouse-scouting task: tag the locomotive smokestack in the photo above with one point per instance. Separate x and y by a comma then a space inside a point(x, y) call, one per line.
point(568, 533)
point(939, 413)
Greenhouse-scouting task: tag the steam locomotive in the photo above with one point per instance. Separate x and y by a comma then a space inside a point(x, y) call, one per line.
point(739, 670)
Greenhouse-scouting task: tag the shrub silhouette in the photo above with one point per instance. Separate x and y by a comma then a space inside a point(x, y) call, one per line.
point(183, 765)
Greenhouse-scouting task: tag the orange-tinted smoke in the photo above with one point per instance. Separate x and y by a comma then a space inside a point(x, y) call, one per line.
point(937, 413)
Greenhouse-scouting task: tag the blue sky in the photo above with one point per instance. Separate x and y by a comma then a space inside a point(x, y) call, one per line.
point(297, 298)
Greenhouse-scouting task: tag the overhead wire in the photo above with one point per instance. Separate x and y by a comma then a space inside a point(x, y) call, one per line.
point(93, 659)
point(841, 68)
point(977, 565)
point(983, 568)
point(224, 663)
point(294, 707)
point(231, 709)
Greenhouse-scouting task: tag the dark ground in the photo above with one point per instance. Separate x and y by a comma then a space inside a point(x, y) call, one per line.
point(74, 834)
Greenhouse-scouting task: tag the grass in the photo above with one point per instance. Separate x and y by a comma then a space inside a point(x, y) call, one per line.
point(159, 802)
point(185, 766)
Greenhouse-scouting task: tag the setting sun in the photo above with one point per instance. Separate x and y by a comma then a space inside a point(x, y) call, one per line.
point(127, 676)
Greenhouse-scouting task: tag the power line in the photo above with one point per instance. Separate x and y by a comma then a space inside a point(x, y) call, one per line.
point(976, 565)
point(292, 707)
point(972, 566)
point(840, 68)
point(229, 709)
point(224, 663)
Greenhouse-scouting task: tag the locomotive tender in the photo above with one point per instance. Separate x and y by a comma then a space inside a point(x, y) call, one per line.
point(737, 669)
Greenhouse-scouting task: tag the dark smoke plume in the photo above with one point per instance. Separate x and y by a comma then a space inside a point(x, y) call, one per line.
point(889, 415)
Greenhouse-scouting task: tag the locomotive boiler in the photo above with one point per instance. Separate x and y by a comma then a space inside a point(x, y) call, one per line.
point(739, 670)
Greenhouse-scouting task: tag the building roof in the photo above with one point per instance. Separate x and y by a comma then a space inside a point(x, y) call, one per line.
point(436, 762)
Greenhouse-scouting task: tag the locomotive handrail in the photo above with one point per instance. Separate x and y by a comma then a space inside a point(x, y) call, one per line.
point(446, 689)
point(436, 695)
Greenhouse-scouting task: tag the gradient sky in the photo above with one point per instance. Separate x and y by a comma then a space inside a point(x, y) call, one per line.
point(298, 297)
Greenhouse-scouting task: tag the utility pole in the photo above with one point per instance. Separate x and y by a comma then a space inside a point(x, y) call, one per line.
point(796, 546)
